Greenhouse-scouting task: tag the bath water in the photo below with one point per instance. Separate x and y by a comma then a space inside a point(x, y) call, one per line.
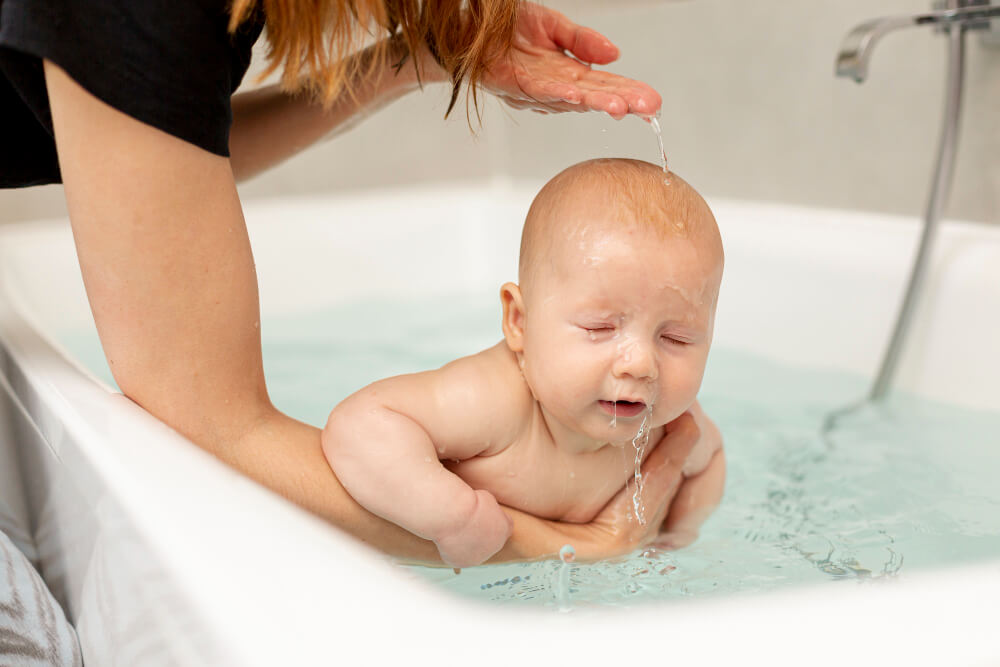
point(908, 486)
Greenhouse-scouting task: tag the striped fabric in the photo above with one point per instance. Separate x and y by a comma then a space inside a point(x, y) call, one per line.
point(34, 631)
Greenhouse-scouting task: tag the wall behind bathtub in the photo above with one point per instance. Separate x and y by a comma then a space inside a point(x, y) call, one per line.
point(751, 110)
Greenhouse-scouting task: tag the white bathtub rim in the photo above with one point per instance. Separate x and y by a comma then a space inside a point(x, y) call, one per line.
point(176, 460)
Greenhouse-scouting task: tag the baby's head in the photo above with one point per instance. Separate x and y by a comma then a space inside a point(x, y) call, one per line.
point(618, 282)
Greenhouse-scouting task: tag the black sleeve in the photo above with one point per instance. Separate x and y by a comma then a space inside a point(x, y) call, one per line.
point(169, 63)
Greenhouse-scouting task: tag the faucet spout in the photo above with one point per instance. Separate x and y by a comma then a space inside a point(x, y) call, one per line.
point(856, 50)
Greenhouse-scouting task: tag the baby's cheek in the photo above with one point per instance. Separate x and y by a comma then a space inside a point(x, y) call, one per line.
point(559, 360)
point(545, 376)
point(682, 387)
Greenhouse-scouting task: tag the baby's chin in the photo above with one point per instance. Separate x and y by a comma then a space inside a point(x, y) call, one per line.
point(623, 432)
point(627, 431)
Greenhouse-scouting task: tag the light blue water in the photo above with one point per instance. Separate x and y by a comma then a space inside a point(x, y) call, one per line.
point(909, 486)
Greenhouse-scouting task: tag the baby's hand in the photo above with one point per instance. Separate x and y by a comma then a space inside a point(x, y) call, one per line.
point(482, 535)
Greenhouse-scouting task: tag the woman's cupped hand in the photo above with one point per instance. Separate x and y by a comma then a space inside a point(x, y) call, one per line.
point(548, 70)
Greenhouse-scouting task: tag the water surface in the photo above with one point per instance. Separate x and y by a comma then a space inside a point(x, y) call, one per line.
point(907, 486)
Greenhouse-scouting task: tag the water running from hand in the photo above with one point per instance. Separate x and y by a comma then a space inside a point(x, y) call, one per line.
point(654, 122)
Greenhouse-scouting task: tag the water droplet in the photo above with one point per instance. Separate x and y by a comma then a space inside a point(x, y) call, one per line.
point(567, 555)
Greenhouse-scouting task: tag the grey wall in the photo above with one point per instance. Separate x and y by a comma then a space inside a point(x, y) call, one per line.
point(751, 110)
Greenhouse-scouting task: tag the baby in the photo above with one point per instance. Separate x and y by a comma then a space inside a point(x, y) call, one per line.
point(605, 339)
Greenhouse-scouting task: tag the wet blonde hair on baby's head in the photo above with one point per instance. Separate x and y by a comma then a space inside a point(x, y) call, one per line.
point(612, 194)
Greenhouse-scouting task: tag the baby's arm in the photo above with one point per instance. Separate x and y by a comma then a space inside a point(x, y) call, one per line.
point(701, 491)
point(384, 443)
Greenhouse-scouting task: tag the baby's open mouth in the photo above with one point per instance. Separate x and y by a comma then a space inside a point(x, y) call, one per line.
point(623, 408)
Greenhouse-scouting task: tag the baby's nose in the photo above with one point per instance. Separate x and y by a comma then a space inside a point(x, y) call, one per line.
point(636, 359)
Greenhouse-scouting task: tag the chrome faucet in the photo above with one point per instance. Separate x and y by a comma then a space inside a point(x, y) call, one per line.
point(954, 19)
point(852, 61)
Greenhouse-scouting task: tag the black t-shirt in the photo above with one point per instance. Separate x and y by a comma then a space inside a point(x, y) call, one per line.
point(169, 63)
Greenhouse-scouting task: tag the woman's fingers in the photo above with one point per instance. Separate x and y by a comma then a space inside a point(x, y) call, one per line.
point(556, 92)
point(610, 103)
point(661, 478)
point(661, 472)
point(640, 98)
point(593, 91)
point(561, 96)
point(586, 44)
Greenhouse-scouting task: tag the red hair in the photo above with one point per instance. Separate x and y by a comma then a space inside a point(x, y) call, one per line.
point(312, 39)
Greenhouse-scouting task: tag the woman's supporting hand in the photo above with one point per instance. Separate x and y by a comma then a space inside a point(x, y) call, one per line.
point(615, 531)
point(548, 70)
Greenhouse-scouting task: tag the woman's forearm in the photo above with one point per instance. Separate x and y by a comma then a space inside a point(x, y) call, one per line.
point(285, 455)
point(270, 125)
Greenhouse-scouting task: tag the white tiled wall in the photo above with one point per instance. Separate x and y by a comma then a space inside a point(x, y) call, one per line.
point(751, 110)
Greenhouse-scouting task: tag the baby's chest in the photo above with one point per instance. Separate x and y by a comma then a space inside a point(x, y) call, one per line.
point(547, 483)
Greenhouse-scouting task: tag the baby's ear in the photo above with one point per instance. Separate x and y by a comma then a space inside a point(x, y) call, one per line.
point(513, 316)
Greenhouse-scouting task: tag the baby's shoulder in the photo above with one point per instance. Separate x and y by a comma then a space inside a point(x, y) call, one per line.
point(493, 381)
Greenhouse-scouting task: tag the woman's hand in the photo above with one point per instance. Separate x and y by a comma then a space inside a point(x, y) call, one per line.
point(613, 532)
point(540, 75)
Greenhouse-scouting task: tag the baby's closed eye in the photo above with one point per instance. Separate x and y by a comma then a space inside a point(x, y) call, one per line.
point(675, 339)
point(598, 331)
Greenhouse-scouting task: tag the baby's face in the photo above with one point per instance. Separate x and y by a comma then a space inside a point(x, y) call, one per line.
point(617, 326)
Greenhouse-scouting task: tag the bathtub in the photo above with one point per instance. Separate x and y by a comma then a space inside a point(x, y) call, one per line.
point(162, 555)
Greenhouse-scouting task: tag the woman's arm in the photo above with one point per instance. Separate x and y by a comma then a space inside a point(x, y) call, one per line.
point(270, 125)
point(169, 273)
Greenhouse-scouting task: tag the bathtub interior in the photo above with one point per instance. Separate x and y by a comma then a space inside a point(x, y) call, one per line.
point(817, 288)
point(193, 574)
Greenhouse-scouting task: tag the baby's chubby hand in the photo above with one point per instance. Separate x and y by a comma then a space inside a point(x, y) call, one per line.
point(482, 534)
